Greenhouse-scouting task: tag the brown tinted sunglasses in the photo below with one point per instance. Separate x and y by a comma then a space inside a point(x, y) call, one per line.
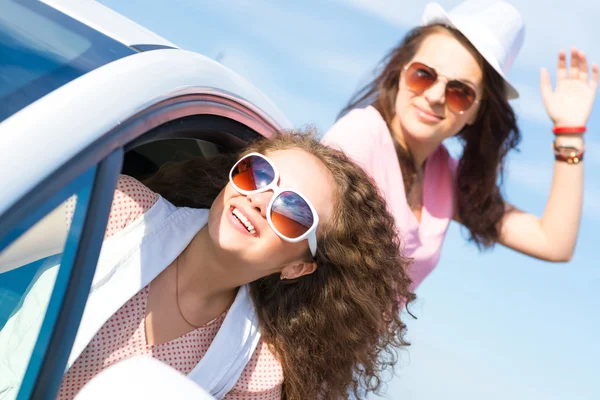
point(459, 96)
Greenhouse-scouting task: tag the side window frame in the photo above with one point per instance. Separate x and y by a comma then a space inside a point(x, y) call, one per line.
point(82, 186)
point(80, 278)
point(67, 302)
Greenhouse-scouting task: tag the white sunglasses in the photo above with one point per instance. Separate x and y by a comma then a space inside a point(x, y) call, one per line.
point(291, 216)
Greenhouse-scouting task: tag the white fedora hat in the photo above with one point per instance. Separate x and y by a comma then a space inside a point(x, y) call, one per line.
point(494, 28)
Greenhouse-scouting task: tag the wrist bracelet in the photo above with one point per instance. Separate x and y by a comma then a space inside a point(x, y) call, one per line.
point(568, 154)
point(569, 130)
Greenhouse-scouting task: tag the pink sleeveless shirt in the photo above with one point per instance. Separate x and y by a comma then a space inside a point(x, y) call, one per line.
point(364, 136)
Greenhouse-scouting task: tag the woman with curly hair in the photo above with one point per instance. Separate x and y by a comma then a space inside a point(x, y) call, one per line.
point(286, 287)
point(448, 78)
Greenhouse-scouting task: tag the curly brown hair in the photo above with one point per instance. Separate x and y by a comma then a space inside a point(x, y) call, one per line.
point(480, 206)
point(338, 329)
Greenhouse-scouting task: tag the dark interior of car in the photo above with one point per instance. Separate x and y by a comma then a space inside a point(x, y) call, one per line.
point(179, 140)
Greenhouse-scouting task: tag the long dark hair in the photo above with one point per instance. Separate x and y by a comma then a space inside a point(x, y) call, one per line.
point(480, 205)
point(336, 330)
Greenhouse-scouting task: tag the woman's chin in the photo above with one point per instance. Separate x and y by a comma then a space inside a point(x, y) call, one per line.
point(231, 237)
point(418, 133)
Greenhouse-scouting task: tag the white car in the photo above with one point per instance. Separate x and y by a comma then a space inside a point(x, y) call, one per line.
point(86, 94)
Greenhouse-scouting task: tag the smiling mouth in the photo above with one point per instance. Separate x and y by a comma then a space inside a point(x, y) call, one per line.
point(244, 221)
point(429, 113)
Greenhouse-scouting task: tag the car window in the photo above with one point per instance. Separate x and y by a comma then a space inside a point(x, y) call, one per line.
point(41, 49)
point(34, 272)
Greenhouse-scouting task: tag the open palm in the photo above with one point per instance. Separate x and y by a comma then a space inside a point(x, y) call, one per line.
point(570, 103)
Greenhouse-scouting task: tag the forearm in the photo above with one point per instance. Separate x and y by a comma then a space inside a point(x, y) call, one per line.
point(560, 221)
point(553, 236)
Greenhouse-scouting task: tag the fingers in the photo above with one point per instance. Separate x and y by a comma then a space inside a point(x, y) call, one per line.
point(561, 72)
point(583, 67)
point(574, 69)
point(579, 68)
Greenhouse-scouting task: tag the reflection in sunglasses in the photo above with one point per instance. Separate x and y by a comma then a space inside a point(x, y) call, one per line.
point(262, 172)
point(292, 206)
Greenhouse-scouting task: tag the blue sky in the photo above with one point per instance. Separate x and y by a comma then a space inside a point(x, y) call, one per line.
point(493, 325)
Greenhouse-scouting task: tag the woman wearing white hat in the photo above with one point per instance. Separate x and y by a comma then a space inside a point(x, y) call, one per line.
point(447, 78)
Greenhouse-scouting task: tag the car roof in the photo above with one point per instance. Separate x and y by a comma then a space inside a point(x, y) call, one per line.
point(109, 22)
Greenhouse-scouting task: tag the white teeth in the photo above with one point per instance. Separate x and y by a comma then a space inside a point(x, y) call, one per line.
point(244, 221)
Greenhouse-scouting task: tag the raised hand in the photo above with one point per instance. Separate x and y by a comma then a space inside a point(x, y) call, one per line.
point(570, 103)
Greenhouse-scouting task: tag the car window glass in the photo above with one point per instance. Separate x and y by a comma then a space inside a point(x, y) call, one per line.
point(34, 270)
point(28, 54)
point(42, 49)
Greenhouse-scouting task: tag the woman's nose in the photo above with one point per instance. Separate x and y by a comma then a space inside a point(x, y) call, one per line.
point(436, 93)
point(260, 201)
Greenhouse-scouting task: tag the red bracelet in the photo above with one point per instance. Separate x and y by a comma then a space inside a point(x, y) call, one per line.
point(573, 130)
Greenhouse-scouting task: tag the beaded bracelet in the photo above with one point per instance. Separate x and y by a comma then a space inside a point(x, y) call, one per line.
point(568, 154)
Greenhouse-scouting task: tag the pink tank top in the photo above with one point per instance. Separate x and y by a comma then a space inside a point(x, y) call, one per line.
point(364, 136)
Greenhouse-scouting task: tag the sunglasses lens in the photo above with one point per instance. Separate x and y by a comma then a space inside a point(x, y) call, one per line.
point(291, 215)
point(419, 77)
point(252, 173)
point(459, 96)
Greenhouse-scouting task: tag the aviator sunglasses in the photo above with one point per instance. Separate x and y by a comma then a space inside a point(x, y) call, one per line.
point(289, 214)
point(459, 95)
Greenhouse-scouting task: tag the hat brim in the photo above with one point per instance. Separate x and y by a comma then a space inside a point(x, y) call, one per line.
point(435, 14)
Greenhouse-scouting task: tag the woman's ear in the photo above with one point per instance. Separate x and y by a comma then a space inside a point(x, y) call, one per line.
point(475, 113)
point(297, 270)
point(473, 117)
